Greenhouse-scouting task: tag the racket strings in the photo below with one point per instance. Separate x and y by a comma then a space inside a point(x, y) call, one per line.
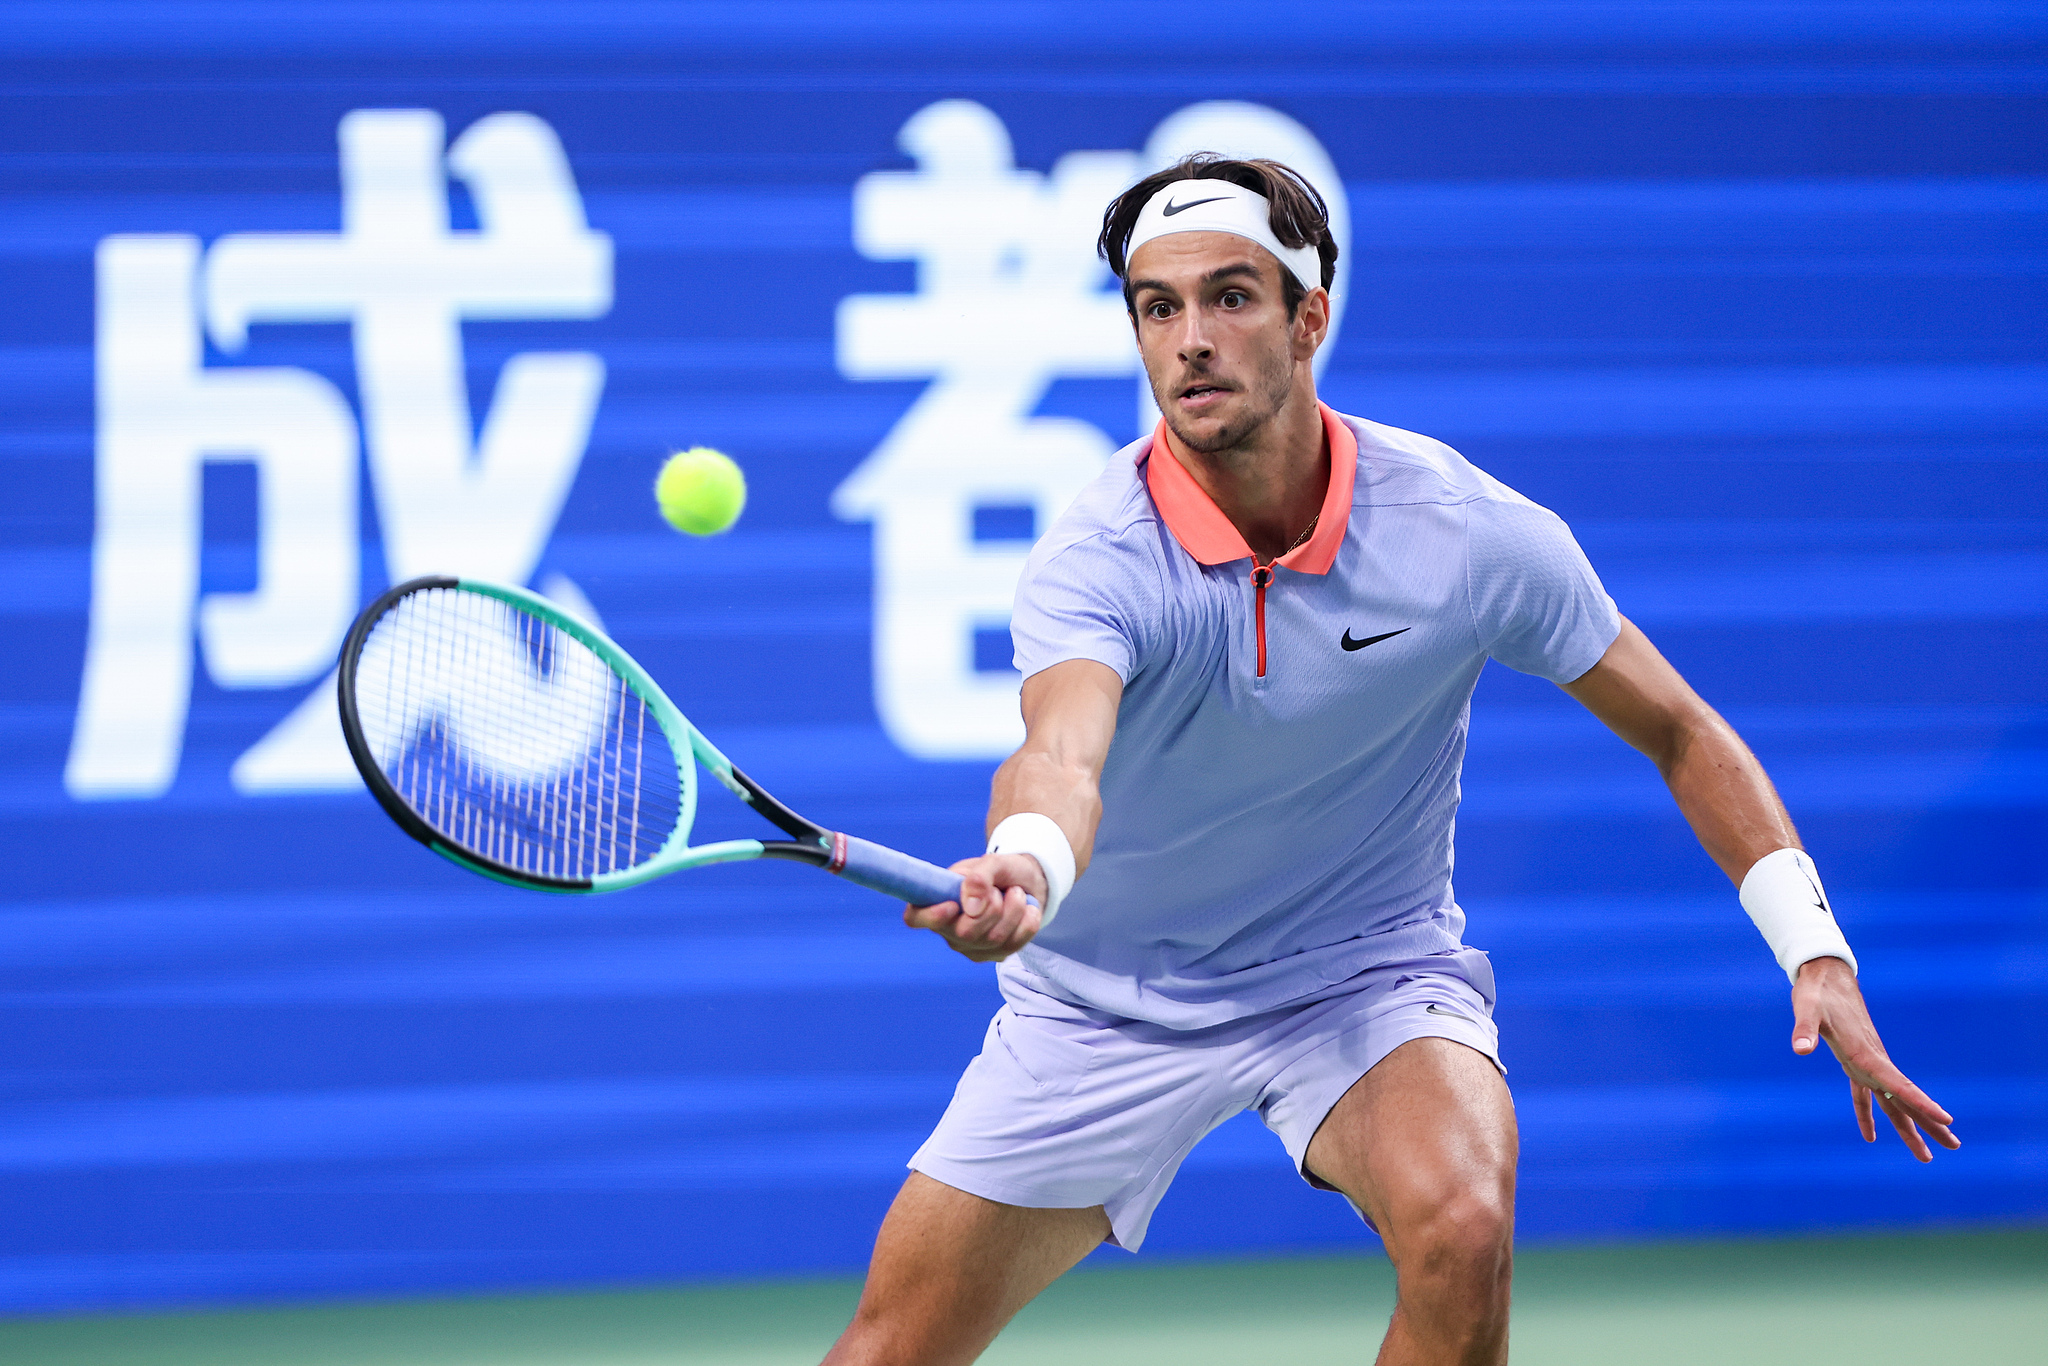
point(513, 740)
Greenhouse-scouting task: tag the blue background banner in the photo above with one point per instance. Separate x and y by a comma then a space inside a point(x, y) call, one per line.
point(302, 300)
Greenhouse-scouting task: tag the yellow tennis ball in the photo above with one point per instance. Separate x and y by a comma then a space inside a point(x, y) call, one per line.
point(700, 491)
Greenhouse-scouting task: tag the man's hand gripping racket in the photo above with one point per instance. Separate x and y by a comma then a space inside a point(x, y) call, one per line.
point(519, 742)
point(995, 912)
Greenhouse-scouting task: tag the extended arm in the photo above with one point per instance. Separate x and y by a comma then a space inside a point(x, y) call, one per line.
point(1735, 811)
point(1069, 719)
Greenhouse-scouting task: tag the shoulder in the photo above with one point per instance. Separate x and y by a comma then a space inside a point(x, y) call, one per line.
point(1093, 587)
point(1397, 467)
point(1111, 522)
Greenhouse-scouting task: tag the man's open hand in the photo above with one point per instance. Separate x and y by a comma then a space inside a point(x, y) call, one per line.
point(991, 920)
point(1827, 1005)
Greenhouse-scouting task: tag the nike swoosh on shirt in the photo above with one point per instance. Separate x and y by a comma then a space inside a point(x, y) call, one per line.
point(1350, 644)
point(1171, 209)
point(1434, 1009)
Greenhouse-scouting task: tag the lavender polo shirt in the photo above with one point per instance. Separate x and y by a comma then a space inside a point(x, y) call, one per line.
point(1267, 832)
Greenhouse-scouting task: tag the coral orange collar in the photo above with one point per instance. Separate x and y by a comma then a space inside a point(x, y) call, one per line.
point(1205, 533)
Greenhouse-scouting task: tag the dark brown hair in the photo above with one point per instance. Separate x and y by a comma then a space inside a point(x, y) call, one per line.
point(1299, 217)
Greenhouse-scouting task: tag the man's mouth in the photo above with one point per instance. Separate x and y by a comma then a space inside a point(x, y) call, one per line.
point(1200, 391)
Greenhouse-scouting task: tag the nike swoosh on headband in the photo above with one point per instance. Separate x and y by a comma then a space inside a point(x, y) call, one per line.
point(1169, 210)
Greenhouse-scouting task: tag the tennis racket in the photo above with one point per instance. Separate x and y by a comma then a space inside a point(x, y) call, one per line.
point(518, 741)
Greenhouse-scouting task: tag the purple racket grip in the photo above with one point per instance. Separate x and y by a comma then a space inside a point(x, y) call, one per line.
point(882, 869)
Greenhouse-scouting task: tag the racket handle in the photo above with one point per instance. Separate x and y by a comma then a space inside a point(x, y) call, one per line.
point(882, 869)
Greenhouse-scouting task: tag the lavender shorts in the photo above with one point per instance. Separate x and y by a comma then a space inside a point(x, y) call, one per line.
point(1068, 1107)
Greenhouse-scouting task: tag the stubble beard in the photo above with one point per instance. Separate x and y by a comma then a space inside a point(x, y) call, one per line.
point(1262, 401)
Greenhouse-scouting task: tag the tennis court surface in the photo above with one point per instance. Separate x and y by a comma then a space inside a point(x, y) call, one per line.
point(1978, 1298)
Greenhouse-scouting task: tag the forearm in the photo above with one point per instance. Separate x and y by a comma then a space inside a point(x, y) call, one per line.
point(1735, 811)
point(1717, 782)
point(1064, 789)
point(1014, 890)
point(1724, 792)
point(1069, 721)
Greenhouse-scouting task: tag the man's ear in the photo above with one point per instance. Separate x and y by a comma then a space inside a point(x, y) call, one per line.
point(1311, 324)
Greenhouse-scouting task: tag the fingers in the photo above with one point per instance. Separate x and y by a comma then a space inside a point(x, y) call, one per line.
point(1805, 1021)
point(936, 917)
point(1908, 1134)
point(986, 928)
point(1837, 1014)
point(1895, 1087)
point(978, 891)
point(1914, 1101)
point(1908, 1107)
point(1004, 926)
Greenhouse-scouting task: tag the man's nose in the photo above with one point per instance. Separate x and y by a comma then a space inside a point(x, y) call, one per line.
point(1193, 344)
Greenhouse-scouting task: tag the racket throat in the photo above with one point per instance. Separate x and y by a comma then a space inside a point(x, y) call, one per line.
point(805, 832)
point(800, 851)
point(812, 843)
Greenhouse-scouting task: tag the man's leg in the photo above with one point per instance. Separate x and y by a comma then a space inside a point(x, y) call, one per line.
point(950, 1269)
point(1425, 1144)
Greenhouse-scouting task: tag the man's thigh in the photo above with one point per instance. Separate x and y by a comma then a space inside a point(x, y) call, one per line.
point(950, 1269)
point(1067, 1109)
point(1429, 1130)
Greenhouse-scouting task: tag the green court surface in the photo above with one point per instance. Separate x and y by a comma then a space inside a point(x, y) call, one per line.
point(1979, 1298)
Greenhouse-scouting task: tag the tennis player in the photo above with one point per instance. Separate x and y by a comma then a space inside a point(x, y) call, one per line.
point(1249, 651)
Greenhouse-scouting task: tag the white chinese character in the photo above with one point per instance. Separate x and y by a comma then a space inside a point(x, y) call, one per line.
point(445, 503)
point(1011, 296)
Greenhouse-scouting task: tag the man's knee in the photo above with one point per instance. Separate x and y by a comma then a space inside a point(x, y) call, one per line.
point(1466, 1235)
point(951, 1268)
point(1451, 1219)
point(899, 1323)
point(890, 1331)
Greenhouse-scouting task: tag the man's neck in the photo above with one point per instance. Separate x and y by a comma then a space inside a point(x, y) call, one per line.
point(1272, 486)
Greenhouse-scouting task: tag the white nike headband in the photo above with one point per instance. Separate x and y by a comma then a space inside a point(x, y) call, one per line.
point(1220, 206)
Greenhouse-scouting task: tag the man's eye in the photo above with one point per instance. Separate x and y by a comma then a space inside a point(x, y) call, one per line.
point(1232, 299)
point(1159, 311)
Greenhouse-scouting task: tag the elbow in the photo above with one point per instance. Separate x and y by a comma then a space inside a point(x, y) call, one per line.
point(1667, 745)
point(1695, 729)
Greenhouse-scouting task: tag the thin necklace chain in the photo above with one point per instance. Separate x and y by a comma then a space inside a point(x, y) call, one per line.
point(1306, 532)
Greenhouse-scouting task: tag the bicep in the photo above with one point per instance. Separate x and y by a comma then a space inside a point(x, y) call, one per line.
point(1636, 692)
point(1070, 713)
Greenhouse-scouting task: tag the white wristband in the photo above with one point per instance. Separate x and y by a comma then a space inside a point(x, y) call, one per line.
point(1027, 832)
point(1782, 894)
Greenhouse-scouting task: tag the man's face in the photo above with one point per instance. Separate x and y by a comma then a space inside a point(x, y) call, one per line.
point(1219, 348)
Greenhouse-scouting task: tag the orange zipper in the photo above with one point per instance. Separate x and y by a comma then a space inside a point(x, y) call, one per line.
point(1262, 576)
